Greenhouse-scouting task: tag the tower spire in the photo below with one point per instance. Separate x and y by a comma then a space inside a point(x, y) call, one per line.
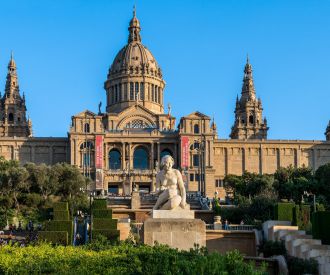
point(134, 28)
point(249, 123)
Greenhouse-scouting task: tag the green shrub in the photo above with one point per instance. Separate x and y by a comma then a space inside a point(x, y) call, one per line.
point(100, 204)
point(321, 226)
point(60, 206)
point(99, 223)
point(270, 248)
point(301, 217)
point(55, 237)
point(123, 259)
point(284, 211)
point(297, 266)
point(66, 226)
point(61, 215)
point(102, 213)
point(110, 234)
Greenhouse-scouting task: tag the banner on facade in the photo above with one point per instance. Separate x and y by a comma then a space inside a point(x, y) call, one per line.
point(99, 179)
point(184, 152)
point(98, 152)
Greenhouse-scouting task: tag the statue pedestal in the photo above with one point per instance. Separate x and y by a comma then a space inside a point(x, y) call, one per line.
point(176, 228)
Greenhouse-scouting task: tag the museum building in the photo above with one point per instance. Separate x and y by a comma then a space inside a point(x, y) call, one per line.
point(121, 148)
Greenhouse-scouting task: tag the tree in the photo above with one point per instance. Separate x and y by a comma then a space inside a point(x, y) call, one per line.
point(41, 179)
point(322, 178)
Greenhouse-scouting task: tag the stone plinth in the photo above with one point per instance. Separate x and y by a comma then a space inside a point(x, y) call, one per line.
point(173, 214)
point(176, 232)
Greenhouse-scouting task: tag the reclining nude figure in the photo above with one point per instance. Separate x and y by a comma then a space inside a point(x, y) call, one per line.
point(170, 187)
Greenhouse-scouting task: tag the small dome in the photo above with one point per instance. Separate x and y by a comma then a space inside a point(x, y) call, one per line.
point(135, 58)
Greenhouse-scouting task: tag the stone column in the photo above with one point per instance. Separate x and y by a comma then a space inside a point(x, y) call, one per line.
point(260, 159)
point(243, 160)
point(51, 155)
point(158, 153)
point(226, 161)
point(33, 153)
point(175, 153)
point(152, 156)
point(123, 155)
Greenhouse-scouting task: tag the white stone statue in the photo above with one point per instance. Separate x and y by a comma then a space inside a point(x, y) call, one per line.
point(170, 187)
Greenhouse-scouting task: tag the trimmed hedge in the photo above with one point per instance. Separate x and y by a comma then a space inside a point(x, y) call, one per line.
point(102, 213)
point(100, 204)
point(61, 215)
point(66, 226)
point(321, 226)
point(284, 211)
point(55, 237)
point(99, 223)
point(120, 260)
point(61, 206)
point(110, 234)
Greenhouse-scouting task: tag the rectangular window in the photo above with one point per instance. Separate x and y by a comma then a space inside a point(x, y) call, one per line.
point(197, 177)
point(131, 91)
point(141, 91)
point(153, 92)
point(113, 189)
point(125, 91)
point(218, 183)
point(191, 177)
point(196, 160)
point(120, 97)
point(116, 93)
point(112, 95)
point(136, 88)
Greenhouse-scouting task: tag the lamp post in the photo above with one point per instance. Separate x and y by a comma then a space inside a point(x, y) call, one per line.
point(314, 202)
point(91, 196)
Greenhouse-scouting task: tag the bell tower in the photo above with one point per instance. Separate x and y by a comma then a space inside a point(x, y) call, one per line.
point(13, 121)
point(249, 123)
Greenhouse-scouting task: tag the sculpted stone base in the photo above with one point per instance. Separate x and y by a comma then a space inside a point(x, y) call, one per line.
point(177, 233)
point(173, 214)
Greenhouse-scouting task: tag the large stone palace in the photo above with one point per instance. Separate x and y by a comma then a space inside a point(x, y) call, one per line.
point(120, 149)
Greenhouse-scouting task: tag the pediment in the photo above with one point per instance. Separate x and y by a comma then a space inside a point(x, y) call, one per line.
point(197, 115)
point(85, 113)
point(137, 116)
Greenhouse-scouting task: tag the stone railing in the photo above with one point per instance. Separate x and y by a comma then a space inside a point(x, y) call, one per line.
point(232, 227)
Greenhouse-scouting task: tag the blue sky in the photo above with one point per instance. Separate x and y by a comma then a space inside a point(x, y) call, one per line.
point(63, 50)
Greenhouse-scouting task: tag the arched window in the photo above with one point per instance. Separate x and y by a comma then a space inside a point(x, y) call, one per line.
point(86, 128)
point(87, 154)
point(251, 119)
point(11, 117)
point(114, 159)
point(196, 129)
point(140, 159)
point(165, 152)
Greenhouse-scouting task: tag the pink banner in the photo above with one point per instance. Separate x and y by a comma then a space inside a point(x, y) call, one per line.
point(184, 152)
point(98, 152)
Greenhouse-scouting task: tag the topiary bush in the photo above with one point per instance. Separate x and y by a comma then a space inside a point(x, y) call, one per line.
point(61, 206)
point(321, 226)
point(55, 237)
point(284, 211)
point(100, 204)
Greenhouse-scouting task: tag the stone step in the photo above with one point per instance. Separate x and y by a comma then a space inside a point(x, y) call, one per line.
point(280, 235)
point(272, 230)
point(316, 251)
point(297, 243)
point(290, 237)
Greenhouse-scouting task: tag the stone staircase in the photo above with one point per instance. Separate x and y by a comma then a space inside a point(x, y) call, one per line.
point(298, 243)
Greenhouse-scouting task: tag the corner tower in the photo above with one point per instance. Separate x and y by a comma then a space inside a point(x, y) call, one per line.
point(134, 76)
point(249, 123)
point(13, 121)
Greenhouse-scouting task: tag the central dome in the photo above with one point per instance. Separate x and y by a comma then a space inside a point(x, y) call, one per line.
point(134, 76)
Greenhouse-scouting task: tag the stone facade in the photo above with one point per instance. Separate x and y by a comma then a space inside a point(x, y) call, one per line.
point(121, 148)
